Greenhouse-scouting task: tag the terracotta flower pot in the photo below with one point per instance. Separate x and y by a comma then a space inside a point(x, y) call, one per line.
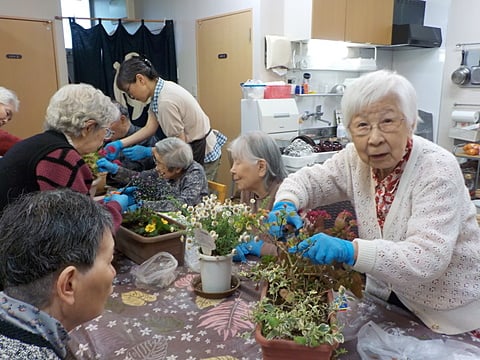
point(279, 349)
point(98, 185)
point(283, 349)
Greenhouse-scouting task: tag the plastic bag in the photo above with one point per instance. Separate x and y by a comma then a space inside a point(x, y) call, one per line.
point(158, 271)
point(376, 344)
point(191, 257)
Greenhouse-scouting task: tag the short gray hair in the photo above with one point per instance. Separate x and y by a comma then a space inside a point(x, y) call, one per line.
point(175, 152)
point(258, 145)
point(74, 104)
point(8, 97)
point(373, 87)
point(41, 233)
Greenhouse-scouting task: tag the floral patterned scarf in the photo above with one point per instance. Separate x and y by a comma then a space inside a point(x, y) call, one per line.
point(385, 189)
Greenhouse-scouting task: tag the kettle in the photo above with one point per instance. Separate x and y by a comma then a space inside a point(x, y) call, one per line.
point(337, 89)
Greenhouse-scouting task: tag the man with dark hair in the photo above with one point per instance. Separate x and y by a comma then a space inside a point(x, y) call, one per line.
point(55, 269)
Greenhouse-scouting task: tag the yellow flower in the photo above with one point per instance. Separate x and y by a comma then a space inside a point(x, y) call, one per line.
point(150, 227)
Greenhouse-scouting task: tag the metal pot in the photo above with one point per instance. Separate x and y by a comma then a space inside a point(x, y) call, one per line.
point(461, 76)
point(475, 75)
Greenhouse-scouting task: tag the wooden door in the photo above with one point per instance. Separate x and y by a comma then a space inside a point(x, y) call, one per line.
point(369, 21)
point(28, 67)
point(328, 19)
point(224, 60)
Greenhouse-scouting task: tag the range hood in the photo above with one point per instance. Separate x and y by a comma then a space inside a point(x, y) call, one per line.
point(416, 35)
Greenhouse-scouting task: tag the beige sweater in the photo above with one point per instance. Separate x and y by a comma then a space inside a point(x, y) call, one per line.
point(429, 250)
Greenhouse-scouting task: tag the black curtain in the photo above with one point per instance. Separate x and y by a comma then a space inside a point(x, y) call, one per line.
point(94, 52)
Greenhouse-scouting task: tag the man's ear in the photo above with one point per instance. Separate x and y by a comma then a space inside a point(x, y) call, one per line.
point(67, 284)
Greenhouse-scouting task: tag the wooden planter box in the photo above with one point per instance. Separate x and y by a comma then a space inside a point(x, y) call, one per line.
point(140, 248)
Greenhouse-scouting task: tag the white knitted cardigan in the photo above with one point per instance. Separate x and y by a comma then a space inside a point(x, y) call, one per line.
point(429, 250)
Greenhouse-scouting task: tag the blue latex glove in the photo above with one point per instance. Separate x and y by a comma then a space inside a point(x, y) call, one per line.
point(325, 249)
point(113, 149)
point(106, 166)
point(137, 152)
point(130, 192)
point(122, 199)
point(252, 247)
point(291, 214)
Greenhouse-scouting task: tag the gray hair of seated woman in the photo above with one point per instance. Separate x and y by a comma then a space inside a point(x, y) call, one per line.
point(175, 153)
point(8, 97)
point(74, 104)
point(375, 86)
point(40, 235)
point(257, 145)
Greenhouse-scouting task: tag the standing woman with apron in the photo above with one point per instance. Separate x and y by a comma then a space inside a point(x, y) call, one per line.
point(172, 108)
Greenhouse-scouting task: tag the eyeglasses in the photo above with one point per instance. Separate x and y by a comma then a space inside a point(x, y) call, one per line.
point(108, 133)
point(7, 116)
point(363, 128)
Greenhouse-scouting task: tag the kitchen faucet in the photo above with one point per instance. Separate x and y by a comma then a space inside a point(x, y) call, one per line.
point(317, 115)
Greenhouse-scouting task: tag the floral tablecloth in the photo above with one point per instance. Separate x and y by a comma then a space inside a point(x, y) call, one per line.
point(174, 323)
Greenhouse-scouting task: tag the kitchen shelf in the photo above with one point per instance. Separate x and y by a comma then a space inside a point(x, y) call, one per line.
point(458, 152)
point(318, 94)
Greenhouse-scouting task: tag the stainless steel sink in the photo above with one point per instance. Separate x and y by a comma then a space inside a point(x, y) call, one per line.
point(320, 133)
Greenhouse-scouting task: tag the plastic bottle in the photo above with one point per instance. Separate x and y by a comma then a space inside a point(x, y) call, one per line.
point(306, 78)
point(470, 184)
point(341, 133)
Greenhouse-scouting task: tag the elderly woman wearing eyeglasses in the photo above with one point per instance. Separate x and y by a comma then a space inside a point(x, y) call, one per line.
point(419, 242)
point(77, 122)
point(8, 105)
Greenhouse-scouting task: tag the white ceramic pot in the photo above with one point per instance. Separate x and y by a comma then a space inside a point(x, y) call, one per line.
point(215, 272)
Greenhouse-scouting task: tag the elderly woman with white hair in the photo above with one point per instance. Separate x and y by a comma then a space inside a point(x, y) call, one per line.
point(258, 171)
point(77, 122)
point(176, 180)
point(9, 104)
point(418, 238)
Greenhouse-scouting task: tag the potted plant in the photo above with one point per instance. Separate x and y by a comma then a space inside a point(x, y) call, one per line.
point(296, 315)
point(216, 229)
point(99, 178)
point(144, 233)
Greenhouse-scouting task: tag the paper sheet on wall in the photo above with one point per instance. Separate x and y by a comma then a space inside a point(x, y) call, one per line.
point(278, 56)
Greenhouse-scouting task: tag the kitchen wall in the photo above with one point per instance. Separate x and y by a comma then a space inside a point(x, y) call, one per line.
point(423, 67)
point(428, 69)
point(462, 28)
point(186, 12)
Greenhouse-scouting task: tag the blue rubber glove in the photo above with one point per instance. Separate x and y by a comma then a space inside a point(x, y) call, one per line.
point(137, 152)
point(120, 198)
point(291, 214)
point(113, 149)
point(325, 249)
point(252, 247)
point(106, 166)
point(130, 192)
